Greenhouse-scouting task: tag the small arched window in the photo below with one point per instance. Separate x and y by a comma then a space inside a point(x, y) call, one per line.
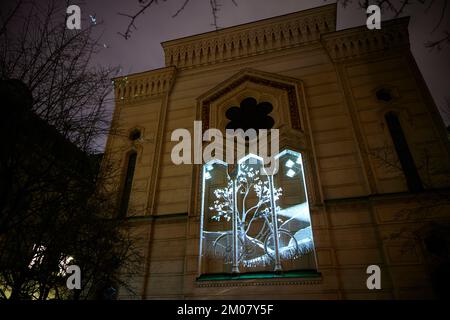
point(403, 152)
point(127, 184)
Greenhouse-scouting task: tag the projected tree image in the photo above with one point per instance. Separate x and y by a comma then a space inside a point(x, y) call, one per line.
point(248, 224)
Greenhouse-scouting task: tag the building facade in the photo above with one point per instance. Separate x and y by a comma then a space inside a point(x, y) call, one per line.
point(363, 164)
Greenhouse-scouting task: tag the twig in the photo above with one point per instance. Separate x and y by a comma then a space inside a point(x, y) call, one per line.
point(133, 18)
point(438, 43)
point(181, 9)
point(214, 5)
point(214, 8)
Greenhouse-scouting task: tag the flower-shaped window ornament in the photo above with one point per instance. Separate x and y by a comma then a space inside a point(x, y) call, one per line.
point(250, 115)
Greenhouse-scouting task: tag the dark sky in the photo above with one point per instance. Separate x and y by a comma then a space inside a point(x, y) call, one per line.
point(143, 51)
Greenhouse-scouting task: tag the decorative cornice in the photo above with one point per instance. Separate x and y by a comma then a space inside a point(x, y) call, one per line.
point(141, 86)
point(359, 41)
point(251, 39)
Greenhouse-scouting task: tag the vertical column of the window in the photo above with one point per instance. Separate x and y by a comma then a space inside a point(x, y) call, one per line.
point(128, 182)
point(403, 152)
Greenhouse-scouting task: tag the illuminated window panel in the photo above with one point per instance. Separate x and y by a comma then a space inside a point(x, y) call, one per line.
point(252, 221)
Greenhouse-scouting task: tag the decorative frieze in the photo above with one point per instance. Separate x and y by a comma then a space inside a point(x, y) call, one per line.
point(144, 85)
point(251, 39)
point(359, 41)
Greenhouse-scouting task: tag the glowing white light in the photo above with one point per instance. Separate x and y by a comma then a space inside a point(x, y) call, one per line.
point(93, 19)
point(289, 163)
point(38, 256)
point(64, 263)
point(295, 236)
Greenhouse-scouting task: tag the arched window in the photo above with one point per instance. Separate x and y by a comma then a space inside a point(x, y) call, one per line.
point(403, 152)
point(128, 182)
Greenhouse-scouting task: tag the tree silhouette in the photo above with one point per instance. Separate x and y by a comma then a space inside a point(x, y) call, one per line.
point(53, 206)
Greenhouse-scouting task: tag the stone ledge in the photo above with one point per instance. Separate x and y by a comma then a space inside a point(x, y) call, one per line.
point(250, 39)
point(307, 277)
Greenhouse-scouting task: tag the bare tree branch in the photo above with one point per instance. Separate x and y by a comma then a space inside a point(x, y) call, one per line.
point(131, 26)
point(181, 8)
point(52, 194)
point(145, 4)
point(437, 44)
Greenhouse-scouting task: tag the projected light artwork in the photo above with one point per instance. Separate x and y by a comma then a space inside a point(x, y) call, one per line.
point(254, 221)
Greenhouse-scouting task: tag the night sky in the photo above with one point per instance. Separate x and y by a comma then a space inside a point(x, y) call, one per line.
point(143, 50)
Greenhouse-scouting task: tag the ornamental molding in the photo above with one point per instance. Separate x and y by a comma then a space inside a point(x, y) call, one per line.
point(287, 84)
point(142, 86)
point(254, 283)
point(251, 39)
point(360, 41)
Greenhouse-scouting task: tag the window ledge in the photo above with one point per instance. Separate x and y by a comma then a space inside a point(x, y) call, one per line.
point(259, 278)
